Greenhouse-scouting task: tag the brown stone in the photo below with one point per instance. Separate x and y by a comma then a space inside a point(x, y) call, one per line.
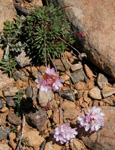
point(70, 114)
point(95, 20)
point(68, 105)
point(7, 12)
point(77, 145)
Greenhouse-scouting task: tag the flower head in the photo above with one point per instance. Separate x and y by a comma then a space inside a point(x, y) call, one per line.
point(65, 134)
point(50, 71)
point(92, 121)
point(49, 81)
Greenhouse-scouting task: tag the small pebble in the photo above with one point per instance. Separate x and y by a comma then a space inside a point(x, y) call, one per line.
point(1, 104)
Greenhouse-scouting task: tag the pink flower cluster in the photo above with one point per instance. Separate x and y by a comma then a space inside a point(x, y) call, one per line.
point(92, 121)
point(65, 134)
point(49, 81)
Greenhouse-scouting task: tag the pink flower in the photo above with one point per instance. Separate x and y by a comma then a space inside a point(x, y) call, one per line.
point(49, 81)
point(65, 134)
point(57, 84)
point(50, 71)
point(92, 121)
point(42, 85)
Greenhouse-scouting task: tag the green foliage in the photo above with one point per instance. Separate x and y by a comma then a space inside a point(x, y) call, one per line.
point(14, 129)
point(41, 31)
point(18, 102)
point(11, 35)
point(9, 65)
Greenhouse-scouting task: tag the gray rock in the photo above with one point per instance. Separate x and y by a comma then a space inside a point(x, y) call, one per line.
point(1, 104)
point(9, 101)
point(95, 93)
point(104, 139)
point(22, 60)
point(4, 133)
point(37, 119)
point(76, 67)
point(19, 75)
point(68, 94)
point(101, 81)
point(14, 119)
point(36, 74)
point(59, 65)
point(88, 18)
point(10, 91)
point(44, 98)
point(30, 92)
point(78, 76)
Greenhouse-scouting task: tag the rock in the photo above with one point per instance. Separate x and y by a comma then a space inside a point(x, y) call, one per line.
point(56, 116)
point(109, 101)
point(1, 104)
point(4, 133)
point(36, 74)
point(4, 146)
point(5, 81)
point(10, 91)
point(42, 69)
point(4, 109)
point(96, 25)
point(14, 119)
point(12, 137)
point(1, 54)
point(78, 76)
point(49, 113)
point(68, 94)
point(37, 119)
point(1, 121)
point(22, 59)
point(53, 105)
point(9, 101)
point(70, 114)
point(59, 65)
point(34, 139)
point(80, 85)
point(108, 91)
point(104, 138)
point(68, 105)
point(19, 75)
point(64, 78)
point(95, 93)
point(76, 67)
point(30, 92)
point(101, 81)
point(52, 146)
point(7, 11)
point(44, 97)
point(77, 145)
point(88, 71)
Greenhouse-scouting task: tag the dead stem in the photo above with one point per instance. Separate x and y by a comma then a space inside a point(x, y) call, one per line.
point(53, 63)
point(22, 134)
point(69, 45)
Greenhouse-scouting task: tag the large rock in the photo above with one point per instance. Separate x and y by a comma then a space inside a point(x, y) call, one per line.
point(104, 139)
point(96, 20)
point(7, 11)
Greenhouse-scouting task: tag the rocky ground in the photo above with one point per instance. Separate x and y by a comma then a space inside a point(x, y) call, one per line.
point(29, 123)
